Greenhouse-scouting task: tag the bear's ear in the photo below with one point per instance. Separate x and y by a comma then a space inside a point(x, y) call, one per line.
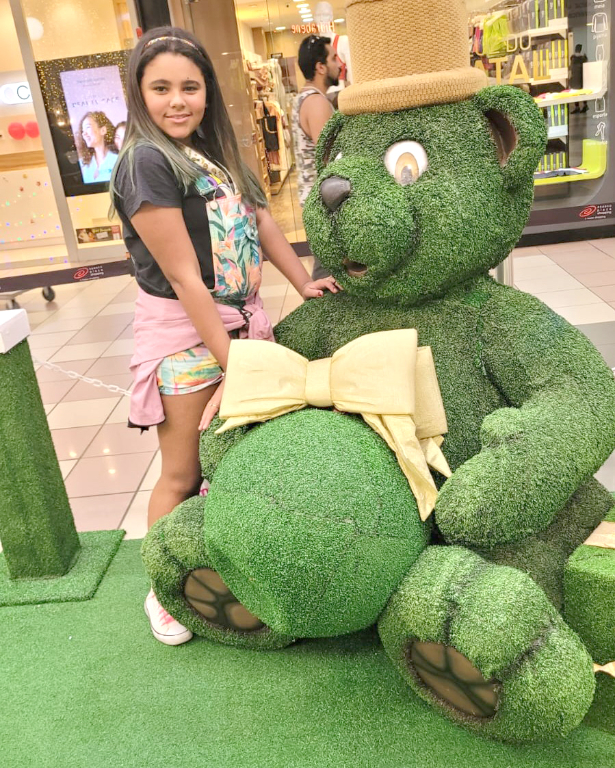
point(327, 139)
point(518, 129)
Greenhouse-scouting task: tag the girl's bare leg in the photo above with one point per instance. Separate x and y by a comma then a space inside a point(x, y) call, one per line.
point(178, 436)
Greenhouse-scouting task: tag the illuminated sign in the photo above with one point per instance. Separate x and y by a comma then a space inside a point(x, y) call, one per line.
point(313, 29)
point(15, 93)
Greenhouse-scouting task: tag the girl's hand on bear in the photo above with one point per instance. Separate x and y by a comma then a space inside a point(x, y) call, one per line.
point(314, 289)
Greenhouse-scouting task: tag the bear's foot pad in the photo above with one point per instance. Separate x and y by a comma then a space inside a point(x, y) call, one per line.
point(453, 679)
point(209, 596)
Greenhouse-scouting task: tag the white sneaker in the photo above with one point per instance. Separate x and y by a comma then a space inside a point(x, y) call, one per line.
point(164, 627)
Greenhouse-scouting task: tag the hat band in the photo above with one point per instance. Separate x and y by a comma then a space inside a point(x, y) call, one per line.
point(399, 93)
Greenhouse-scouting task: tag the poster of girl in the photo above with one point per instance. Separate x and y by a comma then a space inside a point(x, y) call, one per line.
point(96, 107)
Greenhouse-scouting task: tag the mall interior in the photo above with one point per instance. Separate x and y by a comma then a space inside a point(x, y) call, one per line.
point(69, 701)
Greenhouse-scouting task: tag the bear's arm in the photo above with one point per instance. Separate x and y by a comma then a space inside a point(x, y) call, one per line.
point(558, 430)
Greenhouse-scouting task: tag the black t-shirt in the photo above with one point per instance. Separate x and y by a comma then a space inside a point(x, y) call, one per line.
point(155, 183)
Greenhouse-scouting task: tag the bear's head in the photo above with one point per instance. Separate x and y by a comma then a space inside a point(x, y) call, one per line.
point(410, 203)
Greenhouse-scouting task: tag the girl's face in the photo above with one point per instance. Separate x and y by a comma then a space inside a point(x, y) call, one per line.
point(118, 139)
point(174, 93)
point(92, 133)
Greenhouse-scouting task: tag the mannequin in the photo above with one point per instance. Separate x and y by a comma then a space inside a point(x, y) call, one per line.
point(323, 14)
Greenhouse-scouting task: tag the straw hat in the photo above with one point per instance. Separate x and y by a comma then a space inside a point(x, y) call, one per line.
point(408, 53)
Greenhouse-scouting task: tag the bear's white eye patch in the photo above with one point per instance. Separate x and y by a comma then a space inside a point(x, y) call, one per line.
point(406, 161)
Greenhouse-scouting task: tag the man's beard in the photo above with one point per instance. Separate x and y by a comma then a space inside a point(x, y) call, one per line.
point(332, 81)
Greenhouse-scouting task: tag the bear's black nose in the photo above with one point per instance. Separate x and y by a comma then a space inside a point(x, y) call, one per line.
point(334, 191)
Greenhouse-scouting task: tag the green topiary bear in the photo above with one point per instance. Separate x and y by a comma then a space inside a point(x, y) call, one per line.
point(310, 528)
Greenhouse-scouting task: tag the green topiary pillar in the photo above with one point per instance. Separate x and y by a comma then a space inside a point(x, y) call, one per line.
point(37, 529)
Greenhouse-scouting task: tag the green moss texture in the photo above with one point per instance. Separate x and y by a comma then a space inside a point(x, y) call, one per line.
point(590, 610)
point(503, 623)
point(38, 533)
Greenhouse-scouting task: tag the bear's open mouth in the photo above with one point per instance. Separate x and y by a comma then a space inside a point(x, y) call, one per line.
point(354, 268)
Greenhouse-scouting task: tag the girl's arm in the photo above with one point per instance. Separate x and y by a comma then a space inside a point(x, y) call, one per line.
point(164, 233)
point(280, 253)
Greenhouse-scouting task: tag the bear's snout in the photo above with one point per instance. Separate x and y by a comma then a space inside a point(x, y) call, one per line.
point(334, 191)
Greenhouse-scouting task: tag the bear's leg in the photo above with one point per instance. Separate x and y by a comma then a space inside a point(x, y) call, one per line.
point(188, 587)
point(482, 643)
point(544, 555)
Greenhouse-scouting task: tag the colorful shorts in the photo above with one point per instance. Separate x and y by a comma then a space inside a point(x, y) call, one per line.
point(188, 371)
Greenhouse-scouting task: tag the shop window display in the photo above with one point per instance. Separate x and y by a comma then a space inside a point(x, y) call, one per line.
point(28, 212)
point(69, 105)
point(559, 52)
point(270, 40)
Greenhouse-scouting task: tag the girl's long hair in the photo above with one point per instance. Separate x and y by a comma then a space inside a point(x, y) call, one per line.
point(215, 134)
point(102, 121)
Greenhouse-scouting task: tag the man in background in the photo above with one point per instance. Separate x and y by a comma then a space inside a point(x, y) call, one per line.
point(321, 68)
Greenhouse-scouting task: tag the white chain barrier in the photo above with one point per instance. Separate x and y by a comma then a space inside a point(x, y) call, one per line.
point(96, 382)
point(74, 375)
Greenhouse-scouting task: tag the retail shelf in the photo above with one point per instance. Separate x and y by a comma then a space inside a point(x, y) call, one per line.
point(594, 165)
point(558, 75)
point(19, 161)
point(556, 27)
point(594, 80)
point(558, 131)
point(574, 98)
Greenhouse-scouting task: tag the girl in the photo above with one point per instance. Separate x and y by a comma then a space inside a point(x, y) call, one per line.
point(97, 151)
point(194, 218)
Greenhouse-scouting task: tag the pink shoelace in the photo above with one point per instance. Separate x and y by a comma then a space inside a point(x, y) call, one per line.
point(164, 617)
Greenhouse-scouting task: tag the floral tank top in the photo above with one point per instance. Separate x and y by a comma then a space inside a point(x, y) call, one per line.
point(236, 252)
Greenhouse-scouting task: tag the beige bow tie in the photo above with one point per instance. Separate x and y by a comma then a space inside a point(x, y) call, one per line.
point(383, 376)
point(608, 669)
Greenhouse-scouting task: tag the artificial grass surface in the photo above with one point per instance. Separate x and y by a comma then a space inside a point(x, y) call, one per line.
point(86, 685)
point(80, 583)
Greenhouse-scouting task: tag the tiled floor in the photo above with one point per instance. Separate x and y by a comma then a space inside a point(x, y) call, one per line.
point(110, 470)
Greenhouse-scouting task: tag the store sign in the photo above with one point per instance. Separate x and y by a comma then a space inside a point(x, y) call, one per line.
point(519, 73)
point(15, 93)
point(313, 29)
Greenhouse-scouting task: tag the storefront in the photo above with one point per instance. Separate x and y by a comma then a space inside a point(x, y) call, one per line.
point(526, 43)
point(62, 105)
point(62, 71)
point(559, 51)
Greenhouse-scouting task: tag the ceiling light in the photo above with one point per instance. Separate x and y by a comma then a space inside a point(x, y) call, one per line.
point(280, 29)
point(303, 5)
point(339, 21)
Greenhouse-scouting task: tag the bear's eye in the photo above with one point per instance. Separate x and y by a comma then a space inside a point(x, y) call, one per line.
point(406, 161)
